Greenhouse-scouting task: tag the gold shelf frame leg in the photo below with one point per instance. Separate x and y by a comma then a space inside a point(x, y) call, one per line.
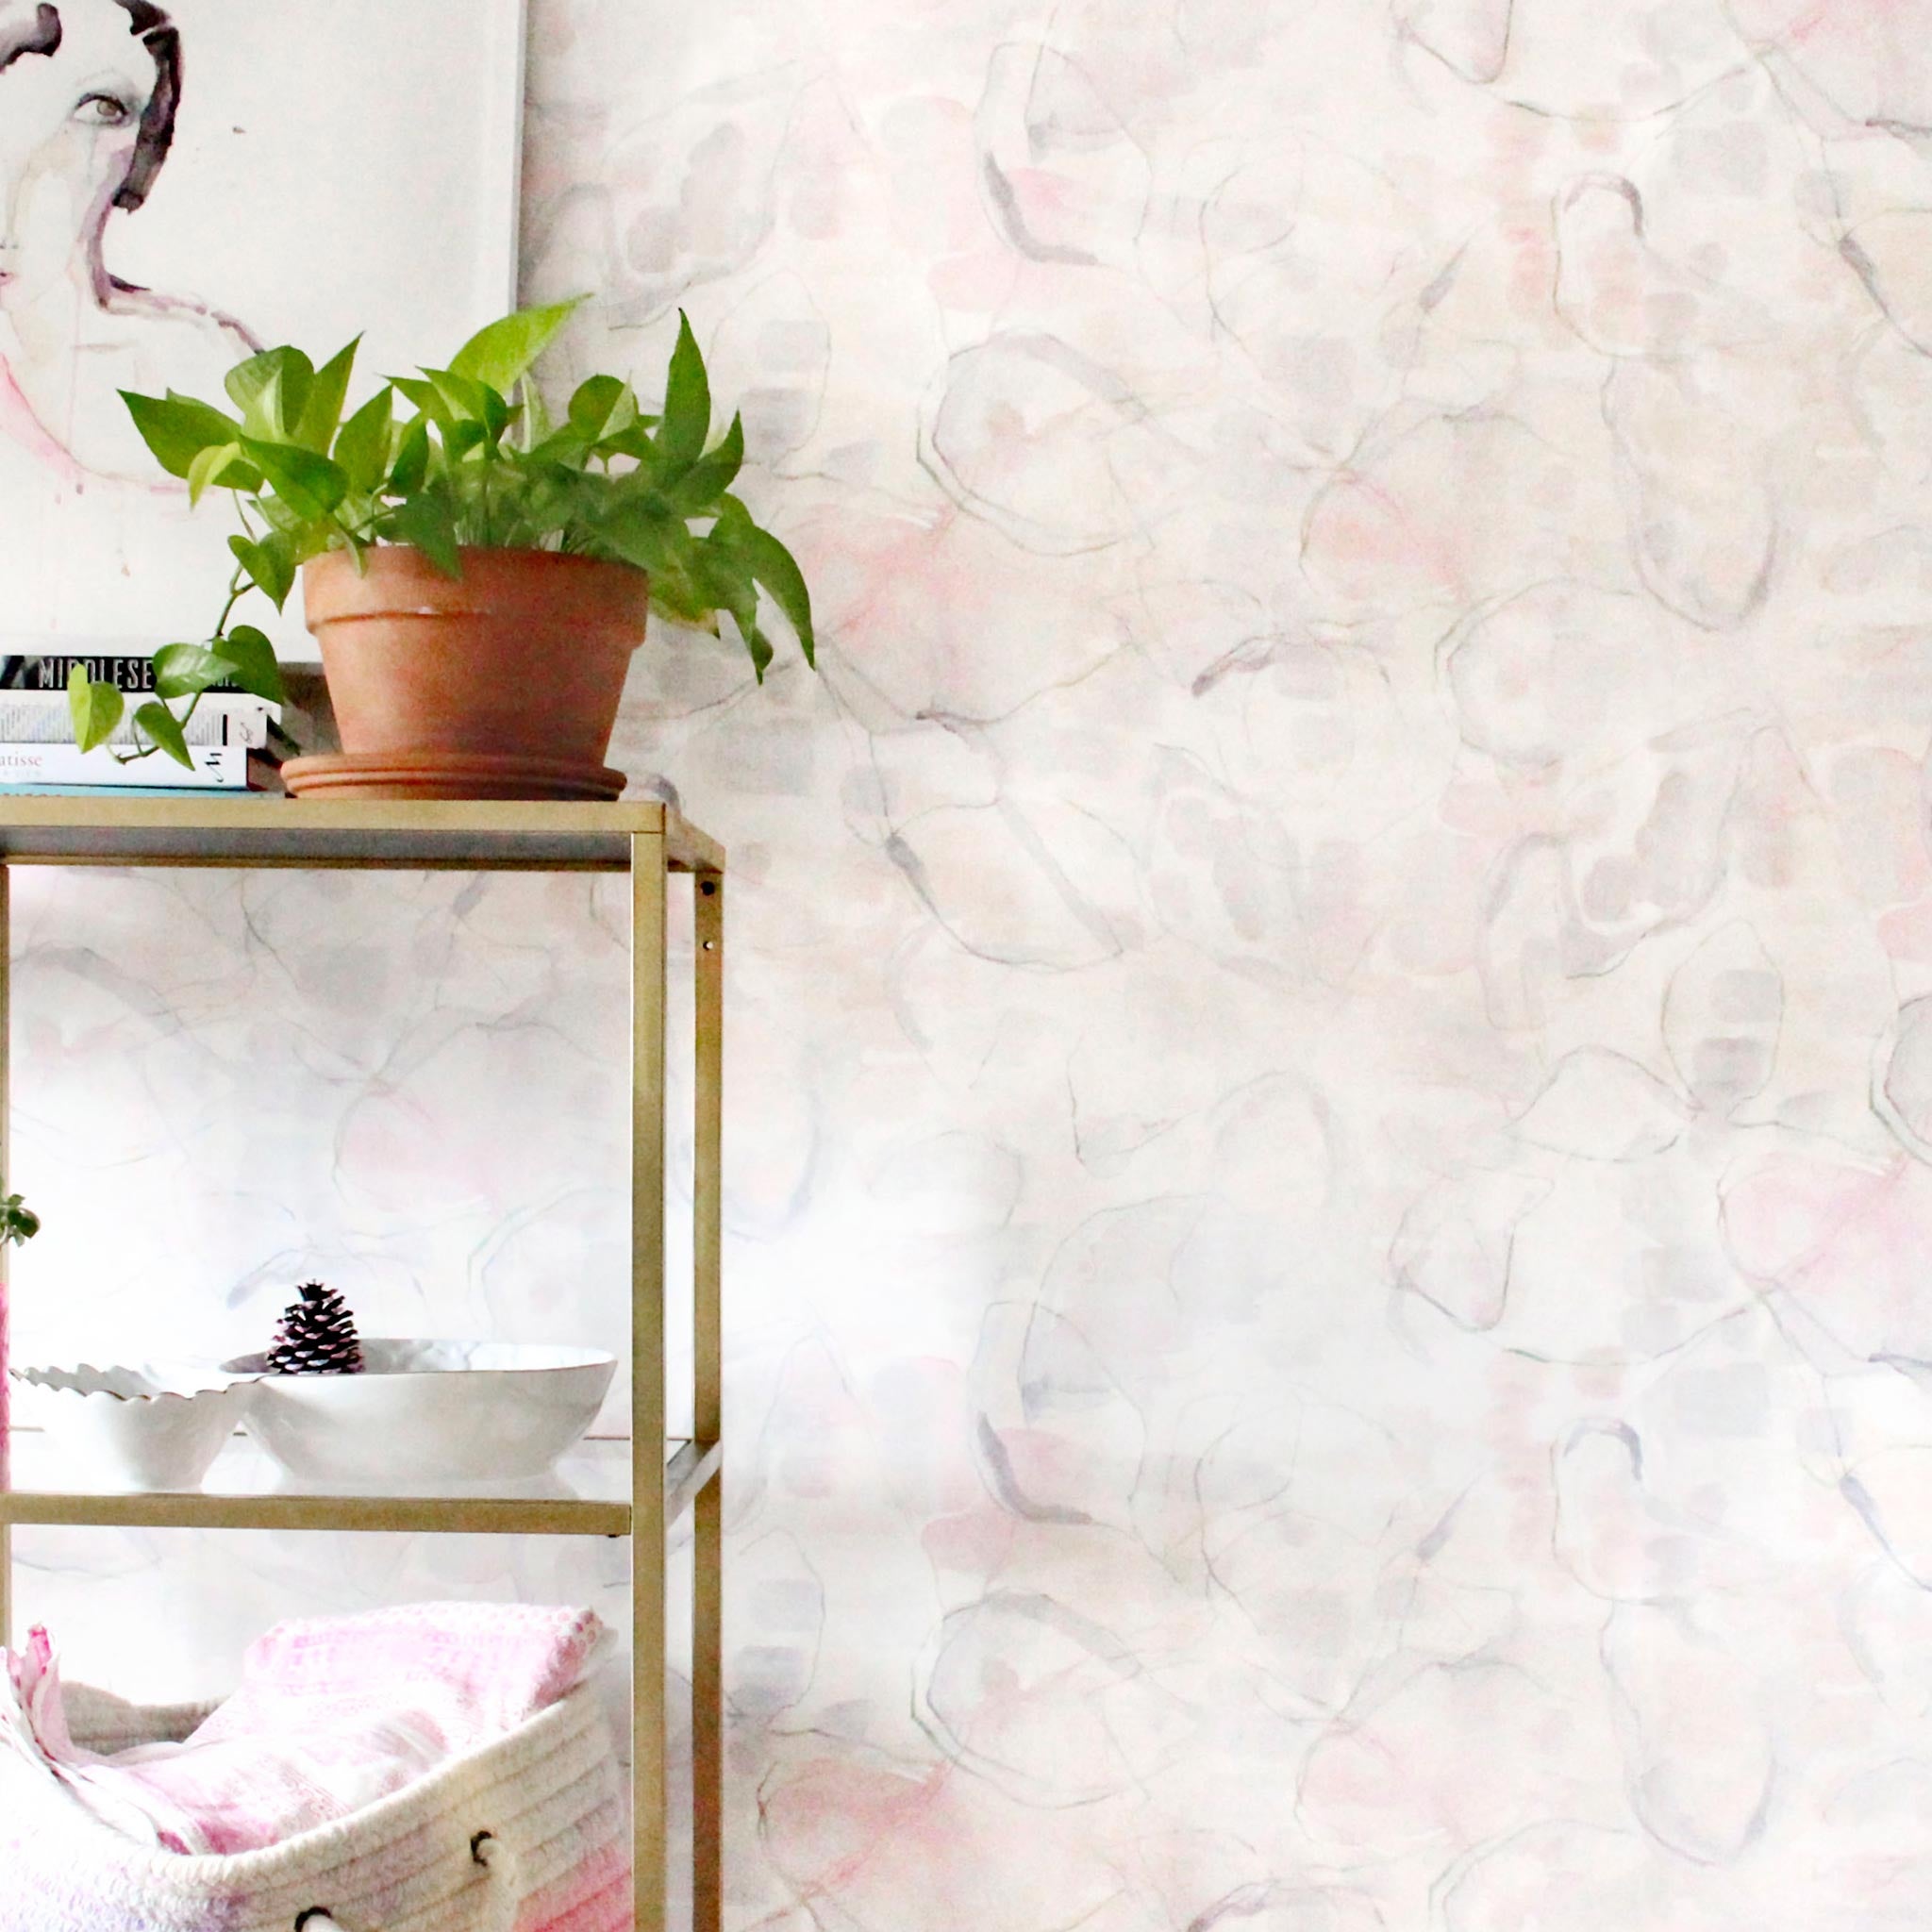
point(648, 935)
point(6, 1271)
point(708, 1601)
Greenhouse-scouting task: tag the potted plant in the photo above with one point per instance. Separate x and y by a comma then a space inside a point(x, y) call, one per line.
point(19, 1223)
point(476, 573)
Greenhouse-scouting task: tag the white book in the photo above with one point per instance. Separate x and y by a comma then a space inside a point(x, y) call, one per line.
point(217, 767)
point(45, 717)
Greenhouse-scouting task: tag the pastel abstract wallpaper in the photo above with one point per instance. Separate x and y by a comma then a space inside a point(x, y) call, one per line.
point(1330, 1218)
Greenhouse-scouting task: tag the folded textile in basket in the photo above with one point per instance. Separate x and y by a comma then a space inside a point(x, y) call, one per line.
point(549, 1798)
point(332, 1714)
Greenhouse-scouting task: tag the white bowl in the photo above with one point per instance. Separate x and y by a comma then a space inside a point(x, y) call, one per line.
point(430, 1412)
point(154, 1427)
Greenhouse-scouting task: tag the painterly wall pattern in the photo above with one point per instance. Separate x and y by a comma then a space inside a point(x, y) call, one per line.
point(1330, 1228)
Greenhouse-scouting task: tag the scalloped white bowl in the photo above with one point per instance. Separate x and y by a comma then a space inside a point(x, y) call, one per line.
point(430, 1412)
point(151, 1427)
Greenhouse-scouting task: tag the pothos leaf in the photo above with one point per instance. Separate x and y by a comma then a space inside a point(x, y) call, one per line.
point(184, 671)
point(18, 1221)
point(411, 465)
point(270, 562)
point(775, 568)
point(500, 354)
point(253, 656)
point(686, 420)
point(701, 485)
point(96, 708)
point(315, 428)
point(362, 448)
point(601, 406)
point(177, 428)
point(164, 730)
point(272, 391)
point(308, 484)
point(427, 523)
point(759, 646)
point(221, 466)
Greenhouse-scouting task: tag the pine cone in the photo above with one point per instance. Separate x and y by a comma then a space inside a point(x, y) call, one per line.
point(317, 1336)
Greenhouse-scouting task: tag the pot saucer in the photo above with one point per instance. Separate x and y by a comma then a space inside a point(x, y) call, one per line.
point(446, 775)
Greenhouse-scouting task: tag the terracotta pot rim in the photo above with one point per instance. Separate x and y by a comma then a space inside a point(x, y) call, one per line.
point(376, 555)
point(398, 579)
point(489, 573)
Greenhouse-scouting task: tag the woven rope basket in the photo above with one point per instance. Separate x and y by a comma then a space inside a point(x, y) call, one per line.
point(530, 1833)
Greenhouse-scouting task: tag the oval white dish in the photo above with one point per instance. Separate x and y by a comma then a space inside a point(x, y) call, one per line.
point(151, 1427)
point(425, 1411)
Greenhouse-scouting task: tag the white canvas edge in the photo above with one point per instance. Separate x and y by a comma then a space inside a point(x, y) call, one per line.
point(513, 18)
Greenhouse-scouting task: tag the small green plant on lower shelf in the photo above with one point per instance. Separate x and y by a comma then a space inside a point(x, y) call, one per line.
point(465, 456)
point(19, 1223)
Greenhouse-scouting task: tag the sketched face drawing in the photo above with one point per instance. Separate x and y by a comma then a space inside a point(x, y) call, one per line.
point(87, 112)
point(88, 93)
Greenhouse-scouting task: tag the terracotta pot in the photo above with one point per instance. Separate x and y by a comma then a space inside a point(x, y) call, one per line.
point(523, 655)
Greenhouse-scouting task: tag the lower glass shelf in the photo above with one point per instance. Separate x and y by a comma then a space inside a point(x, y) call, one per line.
point(588, 1494)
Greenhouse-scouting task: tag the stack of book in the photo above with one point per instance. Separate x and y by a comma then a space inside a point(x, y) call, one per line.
point(237, 740)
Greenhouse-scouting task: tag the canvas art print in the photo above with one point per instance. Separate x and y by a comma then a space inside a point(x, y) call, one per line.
point(182, 184)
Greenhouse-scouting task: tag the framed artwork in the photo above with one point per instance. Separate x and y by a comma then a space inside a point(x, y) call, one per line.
point(182, 181)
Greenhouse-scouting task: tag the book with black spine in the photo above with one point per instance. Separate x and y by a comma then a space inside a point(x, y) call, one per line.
point(50, 670)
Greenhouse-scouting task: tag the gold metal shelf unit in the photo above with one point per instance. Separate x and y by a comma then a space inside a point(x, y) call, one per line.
point(641, 1488)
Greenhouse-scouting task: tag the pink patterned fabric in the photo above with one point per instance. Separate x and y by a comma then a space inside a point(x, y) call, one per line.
point(331, 1716)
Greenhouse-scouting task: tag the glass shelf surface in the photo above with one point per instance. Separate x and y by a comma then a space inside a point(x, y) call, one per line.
point(248, 829)
point(589, 1493)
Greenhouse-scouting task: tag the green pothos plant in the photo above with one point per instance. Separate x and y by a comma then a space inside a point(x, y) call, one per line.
point(466, 455)
point(19, 1223)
